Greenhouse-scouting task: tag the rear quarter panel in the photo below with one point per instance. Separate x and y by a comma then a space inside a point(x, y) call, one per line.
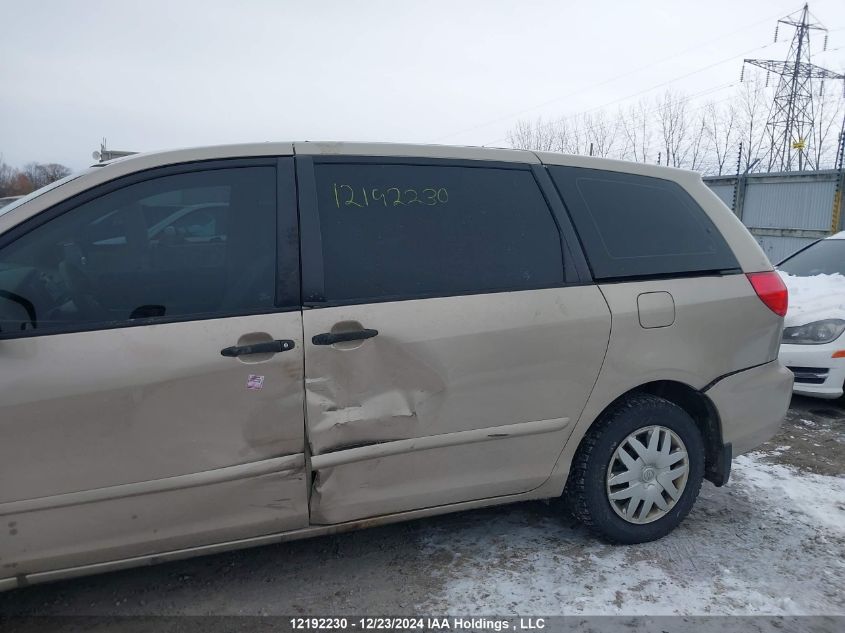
point(720, 326)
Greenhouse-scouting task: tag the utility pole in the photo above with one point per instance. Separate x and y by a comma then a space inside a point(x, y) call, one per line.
point(836, 215)
point(736, 182)
point(741, 182)
point(790, 127)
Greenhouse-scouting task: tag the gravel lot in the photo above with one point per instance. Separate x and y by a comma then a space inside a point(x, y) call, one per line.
point(771, 542)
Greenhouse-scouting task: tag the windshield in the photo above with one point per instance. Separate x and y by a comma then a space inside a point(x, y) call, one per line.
point(38, 192)
point(825, 257)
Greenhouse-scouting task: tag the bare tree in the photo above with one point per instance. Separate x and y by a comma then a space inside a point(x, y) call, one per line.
point(636, 128)
point(829, 106)
point(32, 176)
point(698, 146)
point(722, 130)
point(570, 135)
point(706, 142)
point(7, 175)
point(674, 128)
point(54, 171)
point(562, 135)
point(753, 109)
point(601, 137)
point(538, 135)
point(35, 173)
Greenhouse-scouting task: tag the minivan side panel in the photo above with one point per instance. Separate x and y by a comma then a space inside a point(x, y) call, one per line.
point(129, 441)
point(225, 504)
point(473, 346)
point(134, 418)
point(720, 327)
point(88, 410)
point(459, 401)
point(444, 366)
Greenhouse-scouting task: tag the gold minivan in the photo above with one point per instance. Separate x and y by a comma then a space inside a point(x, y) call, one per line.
point(214, 348)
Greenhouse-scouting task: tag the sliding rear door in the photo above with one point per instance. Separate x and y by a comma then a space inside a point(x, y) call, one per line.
point(448, 345)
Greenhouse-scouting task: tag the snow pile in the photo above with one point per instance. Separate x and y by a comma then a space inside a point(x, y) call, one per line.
point(772, 542)
point(814, 298)
point(817, 500)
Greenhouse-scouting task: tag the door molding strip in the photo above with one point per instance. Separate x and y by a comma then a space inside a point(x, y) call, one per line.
point(399, 447)
point(179, 482)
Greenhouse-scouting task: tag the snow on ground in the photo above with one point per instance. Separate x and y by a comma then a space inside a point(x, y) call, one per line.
point(814, 298)
point(771, 542)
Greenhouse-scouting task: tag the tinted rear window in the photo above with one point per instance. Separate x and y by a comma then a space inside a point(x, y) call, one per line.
point(393, 231)
point(634, 226)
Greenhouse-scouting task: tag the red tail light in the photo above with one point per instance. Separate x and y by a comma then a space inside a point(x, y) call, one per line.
point(771, 290)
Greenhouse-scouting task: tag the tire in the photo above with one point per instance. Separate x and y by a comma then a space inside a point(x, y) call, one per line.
point(599, 465)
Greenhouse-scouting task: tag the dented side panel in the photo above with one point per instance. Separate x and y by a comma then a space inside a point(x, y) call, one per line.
point(442, 366)
point(150, 404)
point(171, 514)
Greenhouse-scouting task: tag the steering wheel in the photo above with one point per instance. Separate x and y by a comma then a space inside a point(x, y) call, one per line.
point(80, 288)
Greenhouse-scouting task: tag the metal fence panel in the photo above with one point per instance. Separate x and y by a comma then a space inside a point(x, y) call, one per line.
point(783, 211)
point(724, 191)
point(796, 204)
point(779, 248)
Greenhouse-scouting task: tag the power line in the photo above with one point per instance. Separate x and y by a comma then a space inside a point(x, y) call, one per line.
point(658, 109)
point(681, 100)
point(660, 85)
point(610, 80)
point(791, 122)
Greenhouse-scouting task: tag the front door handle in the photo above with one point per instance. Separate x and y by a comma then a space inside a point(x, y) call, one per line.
point(330, 338)
point(271, 347)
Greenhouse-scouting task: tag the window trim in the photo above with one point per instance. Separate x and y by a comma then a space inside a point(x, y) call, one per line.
point(576, 268)
point(286, 195)
point(676, 274)
point(313, 273)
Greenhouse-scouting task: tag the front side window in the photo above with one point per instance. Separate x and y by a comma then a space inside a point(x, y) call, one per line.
point(634, 226)
point(825, 257)
point(196, 244)
point(398, 231)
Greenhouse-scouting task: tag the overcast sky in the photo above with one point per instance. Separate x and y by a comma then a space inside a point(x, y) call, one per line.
point(157, 74)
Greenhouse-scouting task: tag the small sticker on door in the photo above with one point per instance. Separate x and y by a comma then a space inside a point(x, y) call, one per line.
point(254, 382)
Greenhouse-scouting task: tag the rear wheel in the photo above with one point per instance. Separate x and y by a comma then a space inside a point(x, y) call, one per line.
point(637, 473)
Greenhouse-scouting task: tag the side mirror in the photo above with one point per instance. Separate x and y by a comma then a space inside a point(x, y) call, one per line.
point(17, 313)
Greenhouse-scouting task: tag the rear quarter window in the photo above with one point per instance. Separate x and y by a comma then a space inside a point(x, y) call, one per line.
point(638, 226)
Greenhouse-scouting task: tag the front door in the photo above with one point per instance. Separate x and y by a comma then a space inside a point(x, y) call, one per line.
point(151, 367)
point(448, 354)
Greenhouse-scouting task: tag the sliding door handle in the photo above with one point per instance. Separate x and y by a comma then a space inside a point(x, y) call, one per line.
point(271, 347)
point(330, 338)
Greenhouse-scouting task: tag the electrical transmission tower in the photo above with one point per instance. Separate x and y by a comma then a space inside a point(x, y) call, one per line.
point(790, 129)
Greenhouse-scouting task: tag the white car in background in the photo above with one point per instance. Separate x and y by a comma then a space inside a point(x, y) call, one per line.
point(813, 345)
